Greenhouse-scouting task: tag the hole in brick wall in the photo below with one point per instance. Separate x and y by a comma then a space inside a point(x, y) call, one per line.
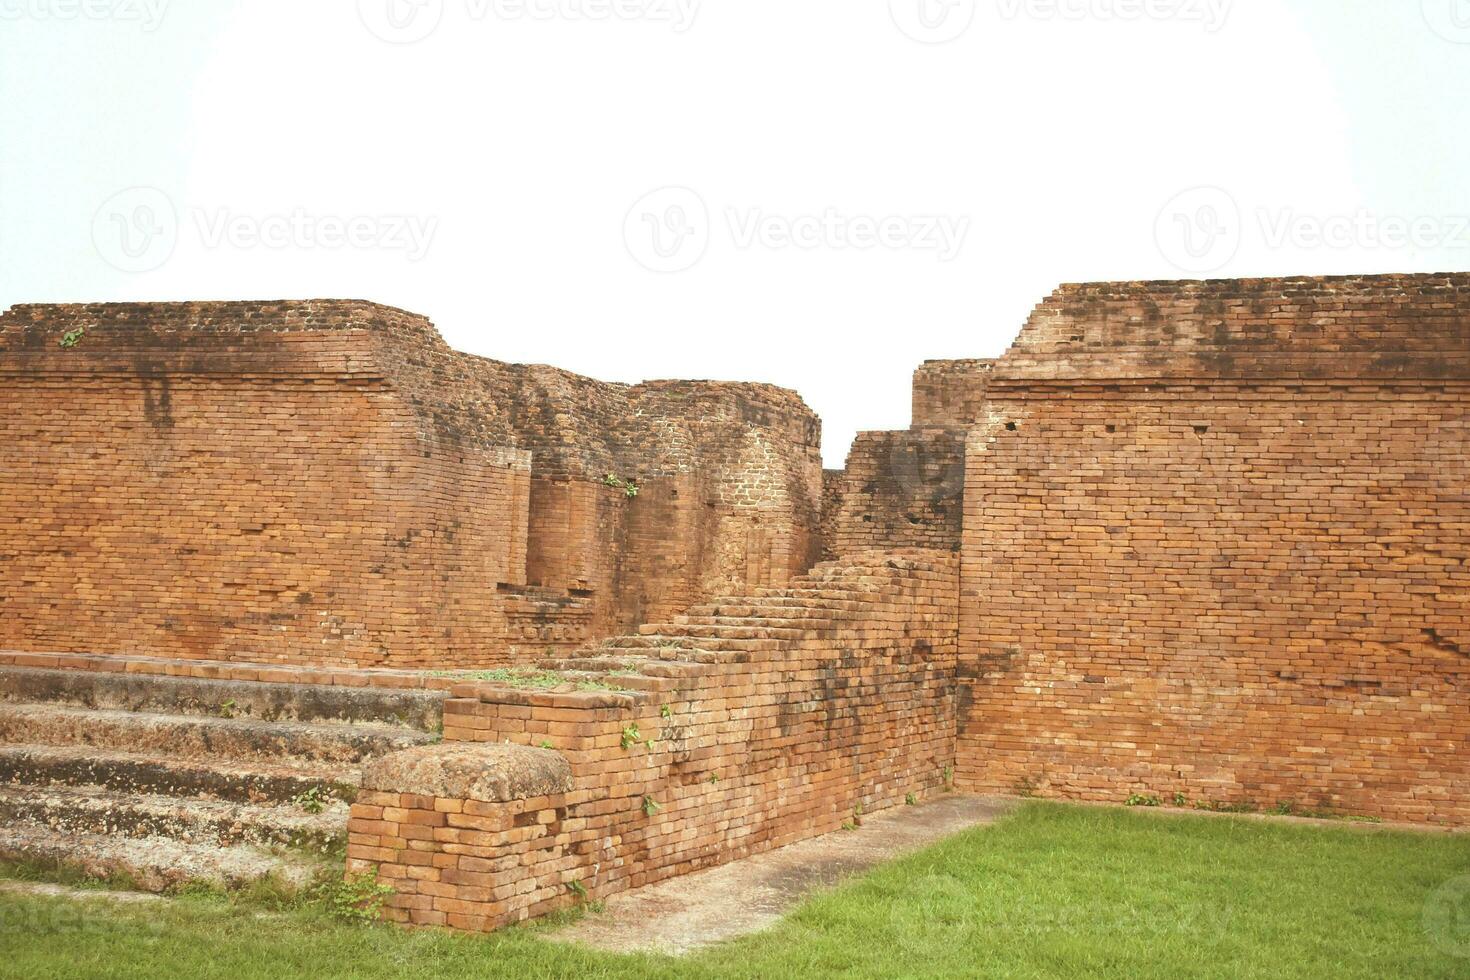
point(581, 593)
point(1010, 427)
point(504, 587)
point(1200, 430)
point(1112, 428)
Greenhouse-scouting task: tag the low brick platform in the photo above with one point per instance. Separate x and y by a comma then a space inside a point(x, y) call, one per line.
point(750, 723)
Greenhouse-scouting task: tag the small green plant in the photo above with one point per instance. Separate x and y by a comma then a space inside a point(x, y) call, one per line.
point(1139, 799)
point(849, 825)
point(911, 799)
point(650, 806)
point(313, 800)
point(72, 337)
point(1284, 808)
point(1025, 787)
point(714, 777)
point(354, 898)
point(1181, 800)
point(631, 737)
point(578, 889)
point(546, 743)
point(227, 709)
point(949, 779)
point(629, 487)
point(666, 712)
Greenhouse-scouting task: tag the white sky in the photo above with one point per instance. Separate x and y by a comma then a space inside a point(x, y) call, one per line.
point(1051, 136)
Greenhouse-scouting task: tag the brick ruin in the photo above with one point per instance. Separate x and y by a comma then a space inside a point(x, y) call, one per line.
point(329, 483)
point(1194, 538)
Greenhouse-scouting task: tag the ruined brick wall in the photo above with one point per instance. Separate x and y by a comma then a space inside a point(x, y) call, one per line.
point(900, 490)
point(749, 724)
point(950, 393)
point(327, 482)
point(1215, 544)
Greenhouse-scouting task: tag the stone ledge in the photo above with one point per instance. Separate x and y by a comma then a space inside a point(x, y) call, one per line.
point(470, 771)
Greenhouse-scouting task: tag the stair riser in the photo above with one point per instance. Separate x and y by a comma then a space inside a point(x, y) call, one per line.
point(127, 821)
point(148, 874)
point(195, 739)
point(142, 776)
point(420, 710)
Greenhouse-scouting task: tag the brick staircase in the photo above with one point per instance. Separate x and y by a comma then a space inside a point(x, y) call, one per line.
point(125, 767)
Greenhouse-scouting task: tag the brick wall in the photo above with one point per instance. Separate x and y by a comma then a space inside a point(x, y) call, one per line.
point(1215, 538)
point(899, 490)
point(751, 723)
point(327, 482)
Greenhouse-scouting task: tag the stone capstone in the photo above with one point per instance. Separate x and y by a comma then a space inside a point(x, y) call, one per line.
point(487, 773)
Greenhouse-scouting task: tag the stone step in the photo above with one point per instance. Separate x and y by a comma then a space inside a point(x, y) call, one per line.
point(746, 630)
point(200, 737)
point(415, 709)
point(696, 649)
point(129, 772)
point(759, 621)
point(155, 863)
point(217, 823)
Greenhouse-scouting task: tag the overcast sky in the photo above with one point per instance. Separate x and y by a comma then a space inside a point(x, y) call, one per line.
point(815, 193)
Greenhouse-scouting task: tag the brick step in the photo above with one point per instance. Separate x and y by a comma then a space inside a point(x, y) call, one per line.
point(788, 607)
point(216, 823)
point(139, 692)
point(737, 632)
point(155, 863)
point(199, 737)
point(815, 595)
point(697, 650)
point(130, 772)
point(768, 621)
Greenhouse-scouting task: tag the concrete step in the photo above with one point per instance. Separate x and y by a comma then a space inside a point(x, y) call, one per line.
point(155, 863)
point(137, 773)
point(217, 823)
point(200, 737)
point(416, 709)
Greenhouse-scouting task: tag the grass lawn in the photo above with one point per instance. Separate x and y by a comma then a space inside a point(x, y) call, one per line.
point(1053, 891)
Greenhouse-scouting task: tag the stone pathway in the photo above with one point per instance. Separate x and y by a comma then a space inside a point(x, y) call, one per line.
point(706, 907)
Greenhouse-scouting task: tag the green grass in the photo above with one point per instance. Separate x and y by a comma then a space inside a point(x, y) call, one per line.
point(1053, 891)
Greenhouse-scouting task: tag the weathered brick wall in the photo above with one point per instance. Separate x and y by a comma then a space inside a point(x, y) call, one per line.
point(327, 482)
point(899, 490)
point(1215, 544)
point(749, 724)
point(950, 393)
